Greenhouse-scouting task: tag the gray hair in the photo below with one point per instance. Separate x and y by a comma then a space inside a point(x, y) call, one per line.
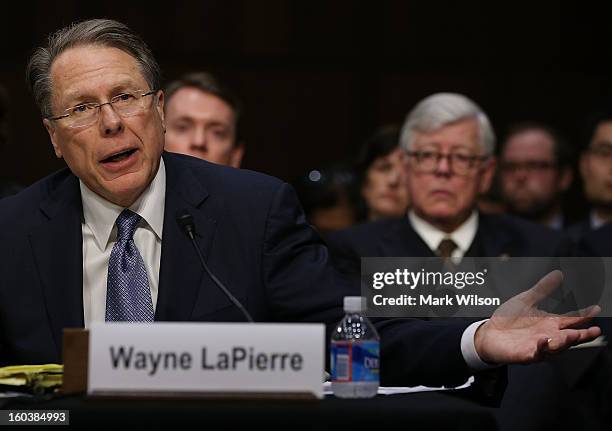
point(442, 109)
point(102, 32)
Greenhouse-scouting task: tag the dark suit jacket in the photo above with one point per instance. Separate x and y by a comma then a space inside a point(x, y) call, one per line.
point(496, 236)
point(589, 371)
point(536, 394)
point(255, 239)
point(579, 229)
point(526, 399)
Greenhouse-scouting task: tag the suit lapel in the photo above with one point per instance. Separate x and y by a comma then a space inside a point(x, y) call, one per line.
point(402, 241)
point(491, 240)
point(181, 273)
point(58, 252)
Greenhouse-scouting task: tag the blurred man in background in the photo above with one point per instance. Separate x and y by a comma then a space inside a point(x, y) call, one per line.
point(596, 172)
point(535, 171)
point(202, 117)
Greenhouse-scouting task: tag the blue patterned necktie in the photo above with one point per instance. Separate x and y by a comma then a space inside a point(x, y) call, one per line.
point(128, 297)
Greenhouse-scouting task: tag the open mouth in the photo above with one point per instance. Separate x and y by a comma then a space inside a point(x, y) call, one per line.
point(119, 156)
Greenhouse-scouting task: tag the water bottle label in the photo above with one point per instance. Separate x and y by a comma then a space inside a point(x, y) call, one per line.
point(355, 362)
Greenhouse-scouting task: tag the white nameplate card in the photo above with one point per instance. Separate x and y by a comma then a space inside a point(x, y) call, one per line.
point(209, 358)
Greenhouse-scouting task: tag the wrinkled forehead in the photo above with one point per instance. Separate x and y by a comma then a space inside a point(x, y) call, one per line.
point(93, 70)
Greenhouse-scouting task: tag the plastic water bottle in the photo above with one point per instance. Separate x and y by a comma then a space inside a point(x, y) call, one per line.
point(355, 353)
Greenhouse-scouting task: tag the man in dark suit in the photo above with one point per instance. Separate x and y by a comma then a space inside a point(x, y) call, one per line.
point(596, 172)
point(96, 85)
point(99, 241)
point(450, 143)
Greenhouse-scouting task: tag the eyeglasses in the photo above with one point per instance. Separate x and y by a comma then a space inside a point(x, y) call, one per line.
point(85, 114)
point(531, 166)
point(459, 163)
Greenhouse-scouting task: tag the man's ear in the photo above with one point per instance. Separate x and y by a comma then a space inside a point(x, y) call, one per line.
point(53, 135)
point(236, 155)
point(487, 175)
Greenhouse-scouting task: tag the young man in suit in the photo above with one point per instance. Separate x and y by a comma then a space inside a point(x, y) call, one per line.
point(202, 119)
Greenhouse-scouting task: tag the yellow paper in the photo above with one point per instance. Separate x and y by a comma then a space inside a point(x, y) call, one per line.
point(13, 381)
point(30, 369)
point(37, 378)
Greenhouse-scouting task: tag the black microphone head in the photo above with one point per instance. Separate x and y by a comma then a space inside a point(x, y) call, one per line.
point(185, 221)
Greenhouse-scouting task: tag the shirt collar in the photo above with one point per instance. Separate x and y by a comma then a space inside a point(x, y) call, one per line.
point(100, 215)
point(431, 235)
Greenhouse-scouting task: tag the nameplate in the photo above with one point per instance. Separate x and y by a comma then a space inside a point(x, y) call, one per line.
point(206, 358)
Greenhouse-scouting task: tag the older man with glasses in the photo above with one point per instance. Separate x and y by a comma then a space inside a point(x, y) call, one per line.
point(450, 145)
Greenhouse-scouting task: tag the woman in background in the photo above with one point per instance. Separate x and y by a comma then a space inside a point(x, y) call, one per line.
point(381, 176)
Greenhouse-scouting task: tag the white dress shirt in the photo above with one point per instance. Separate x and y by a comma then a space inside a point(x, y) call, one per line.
point(432, 236)
point(463, 236)
point(100, 235)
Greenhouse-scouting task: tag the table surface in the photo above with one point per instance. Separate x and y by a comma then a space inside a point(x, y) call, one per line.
point(431, 411)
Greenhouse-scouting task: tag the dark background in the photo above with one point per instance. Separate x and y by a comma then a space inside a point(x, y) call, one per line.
point(317, 77)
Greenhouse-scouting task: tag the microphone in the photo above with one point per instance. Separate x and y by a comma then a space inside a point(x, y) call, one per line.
point(185, 221)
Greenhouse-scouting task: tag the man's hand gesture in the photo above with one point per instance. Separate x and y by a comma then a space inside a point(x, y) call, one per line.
point(518, 332)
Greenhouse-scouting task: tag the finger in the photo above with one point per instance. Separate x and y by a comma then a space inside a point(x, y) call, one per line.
point(567, 339)
point(574, 318)
point(589, 334)
point(544, 287)
point(542, 348)
point(573, 337)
